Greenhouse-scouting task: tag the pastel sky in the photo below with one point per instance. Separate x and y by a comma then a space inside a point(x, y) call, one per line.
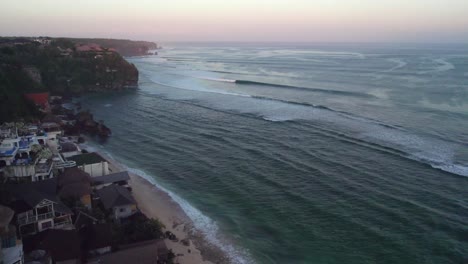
point(241, 20)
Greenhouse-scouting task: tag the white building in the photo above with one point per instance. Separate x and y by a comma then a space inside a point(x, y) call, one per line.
point(118, 201)
point(92, 163)
point(25, 171)
point(54, 132)
point(69, 149)
point(38, 208)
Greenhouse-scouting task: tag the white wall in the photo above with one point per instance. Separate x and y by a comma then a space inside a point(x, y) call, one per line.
point(127, 211)
point(13, 254)
point(71, 153)
point(23, 170)
point(97, 169)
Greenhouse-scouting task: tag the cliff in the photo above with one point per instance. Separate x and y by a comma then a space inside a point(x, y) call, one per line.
point(60, 67)
point(122, 46)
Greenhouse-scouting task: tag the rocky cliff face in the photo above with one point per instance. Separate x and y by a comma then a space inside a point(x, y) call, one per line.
point(122, 46)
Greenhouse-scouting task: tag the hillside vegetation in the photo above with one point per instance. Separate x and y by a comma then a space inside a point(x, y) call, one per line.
point(61, 67)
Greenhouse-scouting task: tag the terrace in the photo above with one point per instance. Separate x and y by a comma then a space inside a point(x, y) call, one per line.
point(30, 217)
point(4, 152)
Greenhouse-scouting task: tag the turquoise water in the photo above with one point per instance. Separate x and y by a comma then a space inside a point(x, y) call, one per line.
point(305, 153)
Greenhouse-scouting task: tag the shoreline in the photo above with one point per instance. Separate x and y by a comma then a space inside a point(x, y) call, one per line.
point(157, 203)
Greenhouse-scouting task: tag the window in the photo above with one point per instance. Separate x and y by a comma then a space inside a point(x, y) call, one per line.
point(122, 210)
point(46, 225)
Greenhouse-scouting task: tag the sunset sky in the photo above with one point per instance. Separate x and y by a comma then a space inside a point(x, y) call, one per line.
point(241, 20)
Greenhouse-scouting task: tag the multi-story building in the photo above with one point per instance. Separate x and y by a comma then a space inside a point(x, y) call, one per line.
point(38, 208)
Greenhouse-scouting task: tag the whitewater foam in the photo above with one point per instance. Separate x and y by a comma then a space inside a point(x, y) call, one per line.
point(202, 223)
point(216, 79)
point(399, 64)
point(441, 65)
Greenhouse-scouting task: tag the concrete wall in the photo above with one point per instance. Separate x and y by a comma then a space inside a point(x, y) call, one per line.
point(127, 210)
point(71, 153)
point(101, 251)
point(71, 261)
point(13, 254)
point(97, 169)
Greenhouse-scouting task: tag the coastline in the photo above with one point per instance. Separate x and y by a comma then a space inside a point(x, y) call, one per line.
point(156, 203)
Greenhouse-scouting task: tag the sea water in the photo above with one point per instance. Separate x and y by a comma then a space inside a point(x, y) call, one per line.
point(305, 153)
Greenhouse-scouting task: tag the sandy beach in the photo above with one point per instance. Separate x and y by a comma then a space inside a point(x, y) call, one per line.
point(155, 203)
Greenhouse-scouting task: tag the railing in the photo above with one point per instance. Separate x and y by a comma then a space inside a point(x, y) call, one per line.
point(20, 162)
point(44, 168)
point(65, 164)
point(28, 219)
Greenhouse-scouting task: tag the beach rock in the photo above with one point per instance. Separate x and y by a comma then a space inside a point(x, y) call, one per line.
point(171, 236)
point(185, 242)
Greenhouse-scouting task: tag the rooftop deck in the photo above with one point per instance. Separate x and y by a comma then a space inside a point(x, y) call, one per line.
point(8, 152)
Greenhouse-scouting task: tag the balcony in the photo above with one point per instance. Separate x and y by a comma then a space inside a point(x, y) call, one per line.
point(62, 222)
point(65, 164)
point(8, 152)
point(25, 145)
point(31, 218)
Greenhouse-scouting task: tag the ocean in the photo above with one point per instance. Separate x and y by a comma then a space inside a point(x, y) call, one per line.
point(305, 153)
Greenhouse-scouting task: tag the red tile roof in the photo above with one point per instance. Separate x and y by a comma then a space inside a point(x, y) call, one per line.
point(41, 99)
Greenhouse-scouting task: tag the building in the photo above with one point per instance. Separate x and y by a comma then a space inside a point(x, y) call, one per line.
point(75, 184)
point(97, 238)
point(11, 246)
point(60, 246)
point(118, 178)
point(69, 149)
point(29, 170)
point(8, 149)
point(148, 252)
point(83, 220)
point(19, 162)
point(118, 201)
point(92, 163)
point(38, 208)
point(53, 131)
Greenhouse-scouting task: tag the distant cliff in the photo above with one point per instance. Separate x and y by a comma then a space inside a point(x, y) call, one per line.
point(122, 46)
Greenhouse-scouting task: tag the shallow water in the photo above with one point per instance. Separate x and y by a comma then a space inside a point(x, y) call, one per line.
point(305, 153)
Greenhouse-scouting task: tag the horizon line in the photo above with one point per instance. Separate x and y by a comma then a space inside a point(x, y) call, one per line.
point(244, 41)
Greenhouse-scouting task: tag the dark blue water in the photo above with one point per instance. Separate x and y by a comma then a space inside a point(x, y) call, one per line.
point(305, 153)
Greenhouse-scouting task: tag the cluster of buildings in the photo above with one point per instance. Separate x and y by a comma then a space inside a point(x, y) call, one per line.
point(50, 193)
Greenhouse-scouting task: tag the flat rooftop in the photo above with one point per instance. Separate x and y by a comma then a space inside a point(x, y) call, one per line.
point(87, 158)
